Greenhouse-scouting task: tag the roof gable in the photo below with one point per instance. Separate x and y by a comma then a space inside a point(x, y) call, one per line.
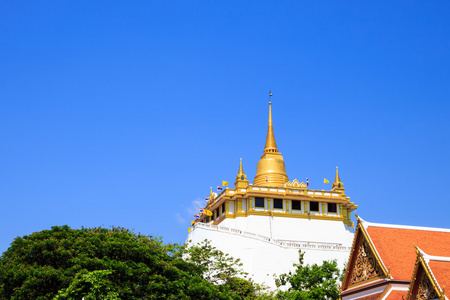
point(441, 272)
point(383, 253)
point(364, 264)
point(431, 275)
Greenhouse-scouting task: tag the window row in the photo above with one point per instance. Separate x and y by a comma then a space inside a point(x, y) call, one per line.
point(262, 204)
point(314, 206)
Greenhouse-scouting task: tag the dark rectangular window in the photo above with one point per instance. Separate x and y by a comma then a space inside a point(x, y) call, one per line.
point(259, 202)
point(223, 207)
point(332, 208)
point(314, 206)
point(207, 219)
point(278, 203)
point(296, 204)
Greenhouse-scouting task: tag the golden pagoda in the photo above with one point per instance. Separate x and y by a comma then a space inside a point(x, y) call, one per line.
point(266, 223)
point(272, 194)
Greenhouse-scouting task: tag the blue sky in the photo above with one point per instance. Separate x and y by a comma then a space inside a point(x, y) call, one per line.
point(126, 113)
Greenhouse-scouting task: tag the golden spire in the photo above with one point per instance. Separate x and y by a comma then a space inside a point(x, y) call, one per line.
point(337, 184)
point(241, 178)
point(271, 145)
point(337, 179)
point(241, 170)
point(271, 170)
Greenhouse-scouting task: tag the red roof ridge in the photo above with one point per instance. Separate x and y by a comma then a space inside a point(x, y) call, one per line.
point(427, 258)
point(370, 224)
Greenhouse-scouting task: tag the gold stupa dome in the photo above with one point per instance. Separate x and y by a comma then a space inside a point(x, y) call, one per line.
point(271, 170)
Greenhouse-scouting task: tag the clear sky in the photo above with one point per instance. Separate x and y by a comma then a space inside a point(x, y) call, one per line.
point(125, 113)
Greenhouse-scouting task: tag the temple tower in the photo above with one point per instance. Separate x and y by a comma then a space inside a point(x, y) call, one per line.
point(266, 222)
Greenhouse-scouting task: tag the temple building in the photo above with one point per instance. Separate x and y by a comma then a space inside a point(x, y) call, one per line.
point(395, 262)
point(266, 222)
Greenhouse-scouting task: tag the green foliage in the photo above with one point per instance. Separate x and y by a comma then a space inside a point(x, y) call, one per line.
point(90, 286)
point(98, 263)
point(39, 265)
point(310, 282)
point(222, 269)
point(215, 266)
point(245, 289)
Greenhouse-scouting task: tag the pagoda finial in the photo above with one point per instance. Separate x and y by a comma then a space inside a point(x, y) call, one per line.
point(271, 145)
point(337, 179)
point(337, 184)
point(241, 178)
point(241, 169)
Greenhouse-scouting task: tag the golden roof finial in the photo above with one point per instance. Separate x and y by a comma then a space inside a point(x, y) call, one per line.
point(241, 178)
point(241, 169)
point(271, 145)
point(337, 179)
point(337, 184)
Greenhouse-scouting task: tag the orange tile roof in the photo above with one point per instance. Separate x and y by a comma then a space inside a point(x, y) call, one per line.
point(396, 246)
point(397, 295)
point(441, 271)
point(371, 297)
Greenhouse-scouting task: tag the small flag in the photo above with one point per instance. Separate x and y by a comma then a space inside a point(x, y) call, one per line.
point(266, 178)
point(192, 223)
point(189, 229)
point(325, 180)
point(201, 211)
point(307, 181)
point(196, 216)
point(208, 212)
point(206, 198)
point(225, 183)
point(219, 188)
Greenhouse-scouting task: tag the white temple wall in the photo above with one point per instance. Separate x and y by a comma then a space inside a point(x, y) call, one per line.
point(262, 256)
point(297, 229)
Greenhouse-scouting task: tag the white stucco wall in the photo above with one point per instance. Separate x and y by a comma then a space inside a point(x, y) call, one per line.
point(269, 245)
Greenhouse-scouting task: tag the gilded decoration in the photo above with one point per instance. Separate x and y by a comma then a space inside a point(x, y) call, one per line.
point(426, 289)
point(366, 266)
point(295, 183)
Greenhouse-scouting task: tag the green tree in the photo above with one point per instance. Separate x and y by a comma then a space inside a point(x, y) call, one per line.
point(222, 269)
point(90, 286)
point(310, 282)
point(39, 265)
point(216, 266)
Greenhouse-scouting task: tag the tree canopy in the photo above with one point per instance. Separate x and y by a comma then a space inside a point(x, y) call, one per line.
point(39, 265)
point(220, 268)
point(89, 286)
point(310, 282)
point(98, 263)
